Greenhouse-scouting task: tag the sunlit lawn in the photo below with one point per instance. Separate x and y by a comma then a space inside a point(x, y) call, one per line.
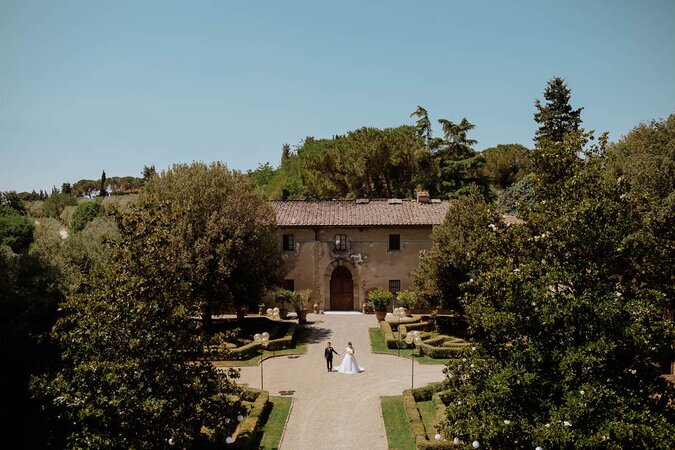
point(396, 425)
point(378, 345)
point(276, 422)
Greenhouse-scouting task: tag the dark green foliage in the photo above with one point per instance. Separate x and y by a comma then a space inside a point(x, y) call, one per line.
point(132, 375)
point(29, 297)
point(13, 201)
point(54, 205)
point(452, 257)
point(102, 191)
point(84, 213)
point(556, 118)
point(506, 164)
point(566, 312)
point(16, 231)
point(517, 195)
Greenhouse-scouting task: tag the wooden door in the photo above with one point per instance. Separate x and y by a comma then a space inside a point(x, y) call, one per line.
point(341, 290)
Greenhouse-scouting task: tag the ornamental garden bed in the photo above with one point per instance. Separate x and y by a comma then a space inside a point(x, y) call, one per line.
point(410, 419)
point(434, 345)
point(232, 339)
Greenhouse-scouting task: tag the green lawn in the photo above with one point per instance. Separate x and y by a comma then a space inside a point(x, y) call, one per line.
point(276, 422)
point(396, 423)
point(428, 412)
point(378, 345)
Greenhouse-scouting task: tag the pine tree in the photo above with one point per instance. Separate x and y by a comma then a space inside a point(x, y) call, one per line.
point(556, 117)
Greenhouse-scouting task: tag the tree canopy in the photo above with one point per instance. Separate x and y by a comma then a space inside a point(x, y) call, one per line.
point(132, 375)
point(566, 315)
point(228, 244)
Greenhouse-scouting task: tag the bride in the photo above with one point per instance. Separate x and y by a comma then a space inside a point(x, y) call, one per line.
point(349, 364)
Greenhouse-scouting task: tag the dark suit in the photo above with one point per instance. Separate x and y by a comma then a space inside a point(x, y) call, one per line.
point(328, 354)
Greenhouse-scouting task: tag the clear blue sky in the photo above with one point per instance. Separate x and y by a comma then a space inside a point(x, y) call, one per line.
point(116, 85)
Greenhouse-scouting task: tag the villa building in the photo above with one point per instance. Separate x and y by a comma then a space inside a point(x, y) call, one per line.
point(342, 249)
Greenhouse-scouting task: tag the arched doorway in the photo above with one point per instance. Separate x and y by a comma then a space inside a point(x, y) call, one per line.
point(341, 290)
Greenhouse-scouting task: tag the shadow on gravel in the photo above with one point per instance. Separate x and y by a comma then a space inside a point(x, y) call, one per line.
point(318, 334)
point(286, 392)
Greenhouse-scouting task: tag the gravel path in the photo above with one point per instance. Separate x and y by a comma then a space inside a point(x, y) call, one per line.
point(333, 410)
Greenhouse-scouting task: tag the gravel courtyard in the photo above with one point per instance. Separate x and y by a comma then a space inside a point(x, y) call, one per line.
point(332, 410)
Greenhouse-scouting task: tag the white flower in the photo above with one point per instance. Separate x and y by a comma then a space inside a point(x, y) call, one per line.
point(437, 437)
point(538, 448)
point(582, 392)
point(516, 270)
point(492, 226)
point(227, 420)
point(475, 444)
point(547, 425)
point(507, 422)
point(171, 441)
point(473, 365)
point(228, 439)
point(455, 440)
point(618, 294)
point(567, 423)
point(463, 359)
point(473, 348)
point(459, 402)
point(470, 280)
point(240, 417)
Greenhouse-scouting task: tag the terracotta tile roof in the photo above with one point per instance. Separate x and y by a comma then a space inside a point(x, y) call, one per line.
point(355, 213)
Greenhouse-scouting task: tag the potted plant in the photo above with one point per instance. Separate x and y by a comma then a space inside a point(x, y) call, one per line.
point(381, 300)
point(282, 296)
point(241, 312)
point(406, 299)
point(300, 302)
point(261, 309)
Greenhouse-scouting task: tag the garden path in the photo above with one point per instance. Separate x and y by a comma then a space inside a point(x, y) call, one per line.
point(332, 410)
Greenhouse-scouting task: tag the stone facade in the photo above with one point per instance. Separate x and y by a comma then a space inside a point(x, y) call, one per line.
point(368, 248)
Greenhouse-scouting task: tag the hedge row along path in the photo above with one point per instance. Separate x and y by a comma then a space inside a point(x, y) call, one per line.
point(332, 410)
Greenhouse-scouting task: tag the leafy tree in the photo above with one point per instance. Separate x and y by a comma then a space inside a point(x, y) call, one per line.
point(131, 375)
point(506, 164)
point(85, 188)
point(29, 297)
point(148, 172)
point(16, 231)
point(13, 201)
point(451, 260)
point(54, 205)
point(66, 188)
point(227, 235)
point(567, 317)
point(262, 175)
point(645, 158)
point(556, 118)
point(517, 196)
point(84, 213)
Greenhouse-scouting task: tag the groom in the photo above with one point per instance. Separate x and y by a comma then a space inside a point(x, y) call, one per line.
point(328, 354)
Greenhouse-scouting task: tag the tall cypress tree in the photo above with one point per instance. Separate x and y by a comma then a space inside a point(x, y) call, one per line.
point(102, 191)
point(556, 118)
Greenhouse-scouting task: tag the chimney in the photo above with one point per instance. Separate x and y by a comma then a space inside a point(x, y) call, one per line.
point(423, 197)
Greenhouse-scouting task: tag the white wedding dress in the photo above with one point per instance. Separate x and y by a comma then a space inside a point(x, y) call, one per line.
point(349, 364)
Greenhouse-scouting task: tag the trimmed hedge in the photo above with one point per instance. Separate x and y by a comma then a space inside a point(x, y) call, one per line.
point(248, 433)
point(252, 349)
point(440, 352)
point(416, 425)
point(389, 337)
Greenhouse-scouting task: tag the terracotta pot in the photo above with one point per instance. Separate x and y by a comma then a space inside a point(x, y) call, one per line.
point(316, 308)
point(261, 311)
point(302, 315)
point(283, 313)
point(380, 314)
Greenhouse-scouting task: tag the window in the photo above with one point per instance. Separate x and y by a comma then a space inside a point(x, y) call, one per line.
point(394, 242)
point(340, 242)
point(394, 286)
point(289, 285)
point(289, 242)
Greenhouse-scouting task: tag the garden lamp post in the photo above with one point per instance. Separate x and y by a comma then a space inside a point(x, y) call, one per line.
point(262, 339)
point(413, 337)
point(398, 313)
